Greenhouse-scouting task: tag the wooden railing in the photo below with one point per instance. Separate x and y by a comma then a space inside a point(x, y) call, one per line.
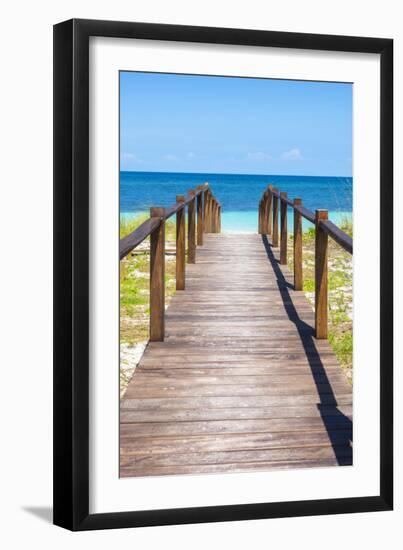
point(268, 224)
point(204, 216)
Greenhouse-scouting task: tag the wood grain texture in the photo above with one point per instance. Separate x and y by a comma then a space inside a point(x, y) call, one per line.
point(214, 216)
point(131, 241)
point(275, 218)
point(269, 210)
point(199, 206)
point(207, 211)
point(283, 231)
point(157, 279)
point(265, 208)
point(180, 246)
point(260, 217)
point(297, 242)
point(240, 383)
point(321, 276)
point(219, 219)
point(191, 228)
point(341, 238)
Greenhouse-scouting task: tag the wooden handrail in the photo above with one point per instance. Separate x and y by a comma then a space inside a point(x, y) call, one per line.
point(131, 241)
point(268, 216)
point(341, 238)
point(204, 216)
point(305, 213)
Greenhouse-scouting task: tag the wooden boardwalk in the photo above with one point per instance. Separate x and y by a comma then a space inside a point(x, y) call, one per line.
point(240, 383)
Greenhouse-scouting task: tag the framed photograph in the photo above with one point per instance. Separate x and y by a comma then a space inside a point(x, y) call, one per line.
point(223, 225)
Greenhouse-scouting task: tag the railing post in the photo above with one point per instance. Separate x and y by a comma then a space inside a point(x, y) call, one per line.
point(207, 211)
point(205, 204)
point(275, 220)
point(180, 245)
point(298, 276)
point(215, 216)
point(200, 216)
point(210, 213)
point(260, 218)
point(265, 213)
point(212, 208)
point(269, 209)
point(321, 241)
point(219, 218)
point(157, 278)
point(284, 233)
point(191, 229)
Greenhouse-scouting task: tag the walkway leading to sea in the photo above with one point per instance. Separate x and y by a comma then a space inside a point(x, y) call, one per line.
point(239, 382)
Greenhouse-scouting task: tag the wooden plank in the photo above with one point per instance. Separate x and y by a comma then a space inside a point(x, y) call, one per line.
point(290, 380)
point(206, 390)
point(240, 457)
point(128, 430)
point(228, 442)
point(240, 402)
point(234, 468)
point(276, 363)
point(234, 413)
point(185, 371)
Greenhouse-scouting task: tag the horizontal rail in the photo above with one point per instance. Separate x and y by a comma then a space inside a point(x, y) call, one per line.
point(337, 234)
point(128, 243)
point(177, 207)
point(305, 213)
point(344, 240)
point(134, 239)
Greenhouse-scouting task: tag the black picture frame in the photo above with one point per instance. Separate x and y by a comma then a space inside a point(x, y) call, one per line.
point(71, 274)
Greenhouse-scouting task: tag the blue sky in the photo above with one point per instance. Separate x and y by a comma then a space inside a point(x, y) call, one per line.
point(186, 123)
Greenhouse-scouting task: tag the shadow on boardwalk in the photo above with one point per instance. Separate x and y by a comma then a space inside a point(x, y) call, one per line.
point(324, 388)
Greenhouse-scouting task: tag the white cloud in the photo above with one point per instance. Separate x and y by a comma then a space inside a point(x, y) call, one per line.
point(131, 157)
point(259, 155)
point(170, 157)
point(292, 154)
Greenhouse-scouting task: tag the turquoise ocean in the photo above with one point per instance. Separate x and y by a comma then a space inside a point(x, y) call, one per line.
point(239, 194)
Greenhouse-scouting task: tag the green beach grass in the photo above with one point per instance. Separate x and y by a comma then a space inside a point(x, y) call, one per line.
point(135, 281)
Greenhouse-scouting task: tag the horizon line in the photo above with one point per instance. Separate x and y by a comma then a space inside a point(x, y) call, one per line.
point(232, 174)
